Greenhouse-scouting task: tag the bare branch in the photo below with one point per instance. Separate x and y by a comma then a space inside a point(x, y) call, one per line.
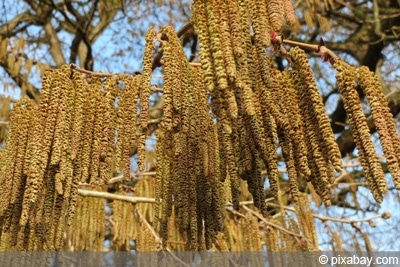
point(259, 216)
point(134, 200)
point(55, 45)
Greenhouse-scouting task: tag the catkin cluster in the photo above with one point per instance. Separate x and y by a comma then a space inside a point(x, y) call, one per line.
point(86, 232)
point(189, 178)
point(259, 108)
point(348, 78)
point(78, 133)
point(223, 123)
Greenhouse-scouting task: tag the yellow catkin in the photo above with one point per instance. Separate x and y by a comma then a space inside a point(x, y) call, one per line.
point(291, 102)
point(235, 28)
point(97, 136)
point(337, 246)
point(290, 15)
point(127, 131)
point(44, 121)
point(80, 92)
point(260, 21)
point(125, 224)
point(374, 175)
point(368, 246)
point(316, 106)
point(226, 41)
point(319, 136)
point(93, 89)
point(12, 181)
point(108, 132)
point(46, 209)
point(382, 119)
point(160, 175)
point(306, 221)
point(87, 229)
point(199, 14)
point(66, 163)
point(276, 14)
point(19, 136)
point(60, 124)
point(288, 155)
point(214, 30)
point(169, 83)
point(145, 88)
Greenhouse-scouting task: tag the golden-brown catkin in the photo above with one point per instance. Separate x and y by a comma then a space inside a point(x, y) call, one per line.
point(87, 229)
point(320, 120)
point(80, 92)
point(97, 136)
point(383, 120)
point(93, 91)
point(322, 149)
point(44, 123)
point(12, 179)
point(199, 14)
point(260, 21)
point(214, 30)
point(276, 14)
point(288, 155)
point(108, 134)
point(169, 84)
point(336, 242)
point(145, 88)
point(66, 162)
point(374, 175)
point(306, 221)
point(235, 28)
point(127, 133)
point(57, 145)
point(291, 102)
point(368, 246)
point(226, 42)
point(290, 15)
point(125, 224)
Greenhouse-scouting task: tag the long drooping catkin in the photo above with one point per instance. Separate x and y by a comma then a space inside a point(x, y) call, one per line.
point(226, 125)
point(372, 168)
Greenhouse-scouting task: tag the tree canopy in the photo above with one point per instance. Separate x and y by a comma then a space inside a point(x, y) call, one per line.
point(232, 125)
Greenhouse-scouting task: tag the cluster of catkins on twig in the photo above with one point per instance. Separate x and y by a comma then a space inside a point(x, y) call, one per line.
point(223, 120)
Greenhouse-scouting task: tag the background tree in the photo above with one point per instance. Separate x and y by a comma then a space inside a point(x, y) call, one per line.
point(38, 35)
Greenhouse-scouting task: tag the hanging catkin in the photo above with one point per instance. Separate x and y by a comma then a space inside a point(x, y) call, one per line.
point(383, 120)
point(345, 77)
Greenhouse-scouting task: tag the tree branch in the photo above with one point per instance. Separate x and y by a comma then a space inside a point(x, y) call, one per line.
point(134, 200)
point(55, 45)
point(8, 29)
point(259, 216)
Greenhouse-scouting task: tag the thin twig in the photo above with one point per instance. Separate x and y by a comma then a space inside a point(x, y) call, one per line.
point(92, 73)
point(259, 216)
point(235, 212)
point(323, 218)
point(134, 200)
point(153, 232)
point(132, 175)
point(158, 240)
point(326, 54)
